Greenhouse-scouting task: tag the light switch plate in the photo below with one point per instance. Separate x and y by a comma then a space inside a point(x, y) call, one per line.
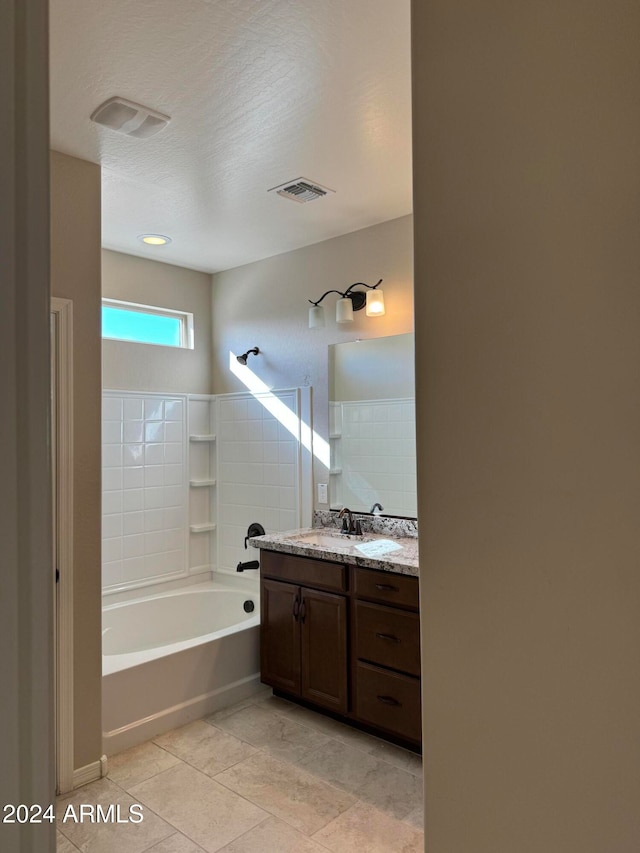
point(322, 493)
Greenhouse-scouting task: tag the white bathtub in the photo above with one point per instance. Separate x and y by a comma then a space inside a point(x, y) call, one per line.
point(172, 657)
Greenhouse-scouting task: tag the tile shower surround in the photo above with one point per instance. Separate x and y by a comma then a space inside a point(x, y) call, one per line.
point(259, 472)
point(148, 504)
point(374, 448)
point(144, 487)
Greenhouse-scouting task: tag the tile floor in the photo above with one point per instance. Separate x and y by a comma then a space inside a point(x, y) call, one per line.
point(265, 776)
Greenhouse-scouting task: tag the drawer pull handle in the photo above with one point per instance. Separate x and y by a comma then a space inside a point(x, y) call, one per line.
point(388, 637)
point(296, 608)
point(386, 587)
point(389, 700)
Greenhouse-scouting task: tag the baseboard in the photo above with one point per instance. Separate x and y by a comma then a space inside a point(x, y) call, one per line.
point(139, 731)
point(90, 772)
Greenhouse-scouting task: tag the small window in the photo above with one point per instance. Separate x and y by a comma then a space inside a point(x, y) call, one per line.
point(146, 324)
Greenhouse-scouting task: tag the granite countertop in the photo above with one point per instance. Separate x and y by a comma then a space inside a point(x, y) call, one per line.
point(403, 559)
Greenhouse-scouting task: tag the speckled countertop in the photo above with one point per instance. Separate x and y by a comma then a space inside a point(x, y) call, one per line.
point(403, 560)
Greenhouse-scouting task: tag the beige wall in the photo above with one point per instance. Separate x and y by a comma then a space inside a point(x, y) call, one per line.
point(75, 275)
point(265, 304)
point(136, 367)
point(527, 189)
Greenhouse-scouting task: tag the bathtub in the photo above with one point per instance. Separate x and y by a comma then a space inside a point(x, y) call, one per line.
point(172, 657)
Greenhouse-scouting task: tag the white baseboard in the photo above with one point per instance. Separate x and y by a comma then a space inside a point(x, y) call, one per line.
point(90, 772)
point(139, 731)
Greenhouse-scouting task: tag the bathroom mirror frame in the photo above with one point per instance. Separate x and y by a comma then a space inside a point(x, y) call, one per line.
point(372, 426)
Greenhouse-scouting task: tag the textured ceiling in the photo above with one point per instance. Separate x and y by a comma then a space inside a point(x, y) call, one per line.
point(259, 92)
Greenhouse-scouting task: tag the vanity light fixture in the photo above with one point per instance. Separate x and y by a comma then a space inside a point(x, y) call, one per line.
point(154, 239)
point(351, 300)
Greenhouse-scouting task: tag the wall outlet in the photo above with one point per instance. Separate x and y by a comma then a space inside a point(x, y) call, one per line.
point(322, 493)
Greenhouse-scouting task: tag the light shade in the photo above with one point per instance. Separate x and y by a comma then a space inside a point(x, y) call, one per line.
point(344, 310)
point(316, 317)
point(375, 303)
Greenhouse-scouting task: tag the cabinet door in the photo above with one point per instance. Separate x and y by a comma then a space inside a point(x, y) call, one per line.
point(323, 621)
point(280, 635)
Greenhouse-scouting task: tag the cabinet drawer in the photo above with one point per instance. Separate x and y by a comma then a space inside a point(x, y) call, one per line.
point(387, 587)
point(304, 570)
point(388, 700)
point(388, 637)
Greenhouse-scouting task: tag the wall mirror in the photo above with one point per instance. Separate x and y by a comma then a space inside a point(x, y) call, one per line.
point(372, 426)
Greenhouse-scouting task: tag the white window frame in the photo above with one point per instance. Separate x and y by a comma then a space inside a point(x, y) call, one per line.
point(185, 318)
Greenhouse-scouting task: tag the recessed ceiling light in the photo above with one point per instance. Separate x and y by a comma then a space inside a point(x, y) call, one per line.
point(154, 239)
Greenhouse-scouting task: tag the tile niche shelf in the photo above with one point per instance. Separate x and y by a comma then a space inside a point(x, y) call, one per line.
point(202, 483)
point(207, 527)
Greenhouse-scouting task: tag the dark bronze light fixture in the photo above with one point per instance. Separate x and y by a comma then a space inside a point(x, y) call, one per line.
point(351, 300)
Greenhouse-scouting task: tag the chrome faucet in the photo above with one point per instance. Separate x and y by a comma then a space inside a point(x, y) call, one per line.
point(349, 528)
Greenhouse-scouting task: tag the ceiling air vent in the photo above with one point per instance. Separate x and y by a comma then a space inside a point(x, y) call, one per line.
point(129, 118)
point(301, 190)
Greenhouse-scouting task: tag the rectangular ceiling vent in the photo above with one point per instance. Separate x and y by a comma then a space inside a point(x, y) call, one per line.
point(301, 190)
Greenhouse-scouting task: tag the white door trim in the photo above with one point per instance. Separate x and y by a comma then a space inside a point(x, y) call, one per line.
point(62, 363)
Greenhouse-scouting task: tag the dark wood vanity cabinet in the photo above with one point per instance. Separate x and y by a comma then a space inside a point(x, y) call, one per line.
point(386, 652)
point(343, 638)
point(303, 648)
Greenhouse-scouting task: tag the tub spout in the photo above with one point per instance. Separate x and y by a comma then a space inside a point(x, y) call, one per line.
point(243, 567)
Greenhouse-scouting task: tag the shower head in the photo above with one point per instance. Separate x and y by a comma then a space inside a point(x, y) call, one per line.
point(243, 358)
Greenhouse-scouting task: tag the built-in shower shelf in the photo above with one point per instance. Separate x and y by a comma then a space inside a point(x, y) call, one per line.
point(335, 435)
point(336, 471)
point(201, 484)
point(202, 528)
point(202, 438)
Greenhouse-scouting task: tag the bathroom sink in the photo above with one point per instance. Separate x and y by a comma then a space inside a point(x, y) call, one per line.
point(326, 539)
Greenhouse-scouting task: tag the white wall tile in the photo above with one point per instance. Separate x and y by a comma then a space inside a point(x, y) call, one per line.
point(132, 522)
point(133, 454)
point(133, 478)
point(172, 453)
point(112, 409)
point(111, 502)
point(154, 542)
point(174, 432)
point(133, 409)
point(111, 455)
point(153, 520)
point(154, 476)
point(111, 526)
point(154, 498)
point(111, 549)
point(112, 432)
point(133, 546)
point(135, 465)
point(153, 409)
point(111, 479)
point(132, 569)
point(132, 500)
point(133, 431)
point(173, 410)
point(154, 454)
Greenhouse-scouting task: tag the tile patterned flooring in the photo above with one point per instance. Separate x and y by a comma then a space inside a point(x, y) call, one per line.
point(265, 776)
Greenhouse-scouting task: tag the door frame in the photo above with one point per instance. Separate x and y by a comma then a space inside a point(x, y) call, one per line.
point(62, 453)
